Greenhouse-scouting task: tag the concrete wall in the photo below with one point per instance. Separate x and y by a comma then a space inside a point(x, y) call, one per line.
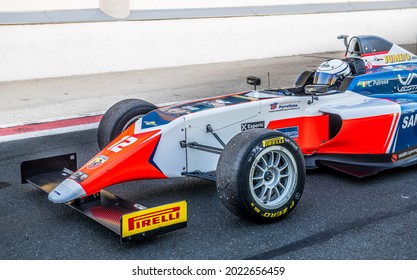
point(177, 4)
point(41, 5)
point(55, 50)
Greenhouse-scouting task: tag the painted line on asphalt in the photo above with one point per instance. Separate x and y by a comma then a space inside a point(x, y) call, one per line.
point(12, 132)
point(18, 132)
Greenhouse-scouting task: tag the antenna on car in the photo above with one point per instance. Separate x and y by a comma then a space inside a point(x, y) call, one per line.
point(269, 82)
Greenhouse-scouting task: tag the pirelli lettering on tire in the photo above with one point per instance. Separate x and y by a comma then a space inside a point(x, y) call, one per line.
point(273, 141)
point(273, 215)
point(153, 218)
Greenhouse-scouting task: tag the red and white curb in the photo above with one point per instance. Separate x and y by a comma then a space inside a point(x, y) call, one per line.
point(46, 128)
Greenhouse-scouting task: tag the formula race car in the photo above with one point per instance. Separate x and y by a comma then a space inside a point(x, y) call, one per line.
point(355, 114)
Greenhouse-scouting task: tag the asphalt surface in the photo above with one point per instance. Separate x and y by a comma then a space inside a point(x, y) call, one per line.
point(338, 216)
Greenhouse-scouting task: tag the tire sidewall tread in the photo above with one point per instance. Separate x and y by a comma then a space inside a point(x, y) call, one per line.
point(233, 175)
point(117, 116)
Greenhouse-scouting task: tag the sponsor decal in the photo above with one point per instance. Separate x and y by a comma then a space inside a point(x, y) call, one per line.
point(221, 101)
point(122, 143)
point(215, 103)
point(97, 162)
point(406, 67)
point(156, 118)
point(191, 108)
point(393, 58)
point(407, 153)
point(153, 218)
point(150, 123)
point(291, 132)
point(178, 111)
point(252, 125)
point(407, 86)
point(373, 83)
point(409, 121)
point(408, 80)
point(394, 157)
point(273, 141)
point(361, 84)
point(285, 106)
point(79, 176)
point(404, 101)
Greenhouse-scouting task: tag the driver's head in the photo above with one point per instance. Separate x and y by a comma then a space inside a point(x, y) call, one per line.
point(331, 72)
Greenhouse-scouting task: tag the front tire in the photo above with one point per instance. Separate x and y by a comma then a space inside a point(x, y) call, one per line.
point(260, 175)
point(119, 117)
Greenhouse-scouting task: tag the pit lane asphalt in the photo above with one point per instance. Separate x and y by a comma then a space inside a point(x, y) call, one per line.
point(338, 217)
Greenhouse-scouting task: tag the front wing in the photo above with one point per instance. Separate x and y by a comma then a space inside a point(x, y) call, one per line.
point(126, 219)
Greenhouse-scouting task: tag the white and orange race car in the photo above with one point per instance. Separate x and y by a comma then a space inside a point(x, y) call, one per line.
point(356, 114)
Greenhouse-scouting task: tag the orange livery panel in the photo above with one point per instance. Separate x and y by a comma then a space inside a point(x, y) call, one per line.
point(127, 158)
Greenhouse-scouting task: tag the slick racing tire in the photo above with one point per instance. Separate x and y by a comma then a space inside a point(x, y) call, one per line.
point(260, 175)
point(119, 117)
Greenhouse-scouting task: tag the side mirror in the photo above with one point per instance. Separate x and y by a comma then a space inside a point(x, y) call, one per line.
point(316, 89)
point(345, 39)
point(305, 78)
point(252, 80)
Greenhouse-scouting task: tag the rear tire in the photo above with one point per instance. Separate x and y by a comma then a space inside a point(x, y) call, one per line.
point(119, 117)
point(260, 175)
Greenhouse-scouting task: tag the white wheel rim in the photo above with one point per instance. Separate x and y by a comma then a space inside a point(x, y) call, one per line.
point(273, 177)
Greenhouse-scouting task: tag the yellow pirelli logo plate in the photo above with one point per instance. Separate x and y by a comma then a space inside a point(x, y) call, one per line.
point(153, 218)
point(273, 141)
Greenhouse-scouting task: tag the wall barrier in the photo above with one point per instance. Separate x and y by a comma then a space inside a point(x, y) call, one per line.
point(36, 51)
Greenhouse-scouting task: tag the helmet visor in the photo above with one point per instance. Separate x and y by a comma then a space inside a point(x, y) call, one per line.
point(321, 78)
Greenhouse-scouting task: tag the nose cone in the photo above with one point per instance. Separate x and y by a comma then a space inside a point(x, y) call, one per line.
point(66, 191)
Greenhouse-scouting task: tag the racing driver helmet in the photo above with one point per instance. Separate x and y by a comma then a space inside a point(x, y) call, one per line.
point(331, 73)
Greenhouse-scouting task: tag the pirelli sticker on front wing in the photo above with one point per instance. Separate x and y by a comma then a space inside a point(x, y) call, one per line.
point(153, 218)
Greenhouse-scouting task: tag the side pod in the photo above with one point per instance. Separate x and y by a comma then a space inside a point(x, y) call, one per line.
point(128, 220)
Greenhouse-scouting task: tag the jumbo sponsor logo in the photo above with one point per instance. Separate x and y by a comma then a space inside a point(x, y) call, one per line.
point(252, 125)
point(273, 141)
point(393, 58)
point(154, 218)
